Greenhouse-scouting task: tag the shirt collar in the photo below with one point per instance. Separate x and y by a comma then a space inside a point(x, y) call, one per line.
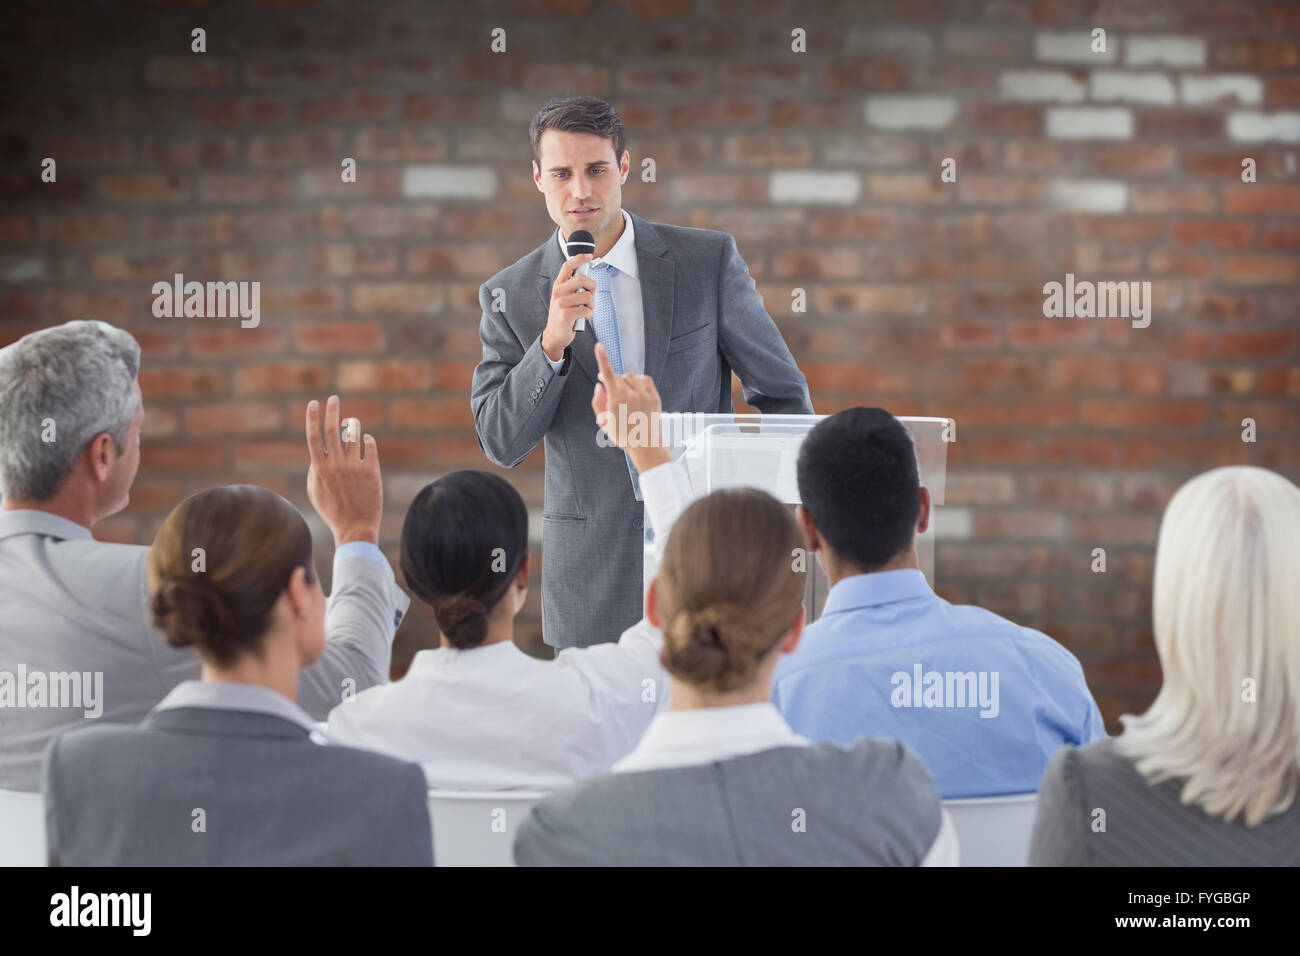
point(34, 521)
point(701, 735)
point(623, 256)
point(877, 587)
point(223, 695)
point(487, 656)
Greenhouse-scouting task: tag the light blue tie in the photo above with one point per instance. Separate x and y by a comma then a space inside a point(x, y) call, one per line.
point(604, 322)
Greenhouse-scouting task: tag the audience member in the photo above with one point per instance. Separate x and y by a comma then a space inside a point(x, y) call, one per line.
point(74, 634)
point(1209, 775)
point(720, 778)
point(983, 702)
point(224, 770)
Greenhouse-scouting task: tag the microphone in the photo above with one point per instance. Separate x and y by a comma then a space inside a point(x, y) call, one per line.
point(580, 241)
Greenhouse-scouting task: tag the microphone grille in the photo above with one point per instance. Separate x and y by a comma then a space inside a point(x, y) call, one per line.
point(580, 241)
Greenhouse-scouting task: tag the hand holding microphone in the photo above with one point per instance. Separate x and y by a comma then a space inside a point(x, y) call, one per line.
point(573, 296)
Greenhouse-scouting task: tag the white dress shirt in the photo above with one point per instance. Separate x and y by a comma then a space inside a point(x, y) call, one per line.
point(679, 738)
point(494, 718)
point(629, 311)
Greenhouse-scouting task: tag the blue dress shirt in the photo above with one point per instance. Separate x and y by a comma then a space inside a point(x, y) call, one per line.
point(983, 702)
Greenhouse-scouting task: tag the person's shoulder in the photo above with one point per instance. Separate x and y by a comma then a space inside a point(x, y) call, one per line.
point(1034, 646)
point(92, 560)
point(888, 764)
point(817, 648)
point(1101, 759)
point(97, 753)
point(576, 825)
point(688, 239)
point(95, 739)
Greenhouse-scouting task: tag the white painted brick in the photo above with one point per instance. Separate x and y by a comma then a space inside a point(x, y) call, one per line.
point(1164, 51)
point(1226, 87)
point(803, 185)
point(1073, 47)
point(910, 112)
point(1041, 86)
point(910, 44)
point(952, 523)
point(449, 182)
point(1112, 85)
point(1089, 195)
point(1066, 122)
point(1251, 125)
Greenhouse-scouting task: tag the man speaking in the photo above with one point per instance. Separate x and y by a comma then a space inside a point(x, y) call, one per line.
point(673, 303)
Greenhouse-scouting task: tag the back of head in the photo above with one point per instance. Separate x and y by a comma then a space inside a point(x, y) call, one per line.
point(59, 388)
point(727, 589)
point(1225, 613)
point(859, 481)
point(463, 542)
point(218, 566)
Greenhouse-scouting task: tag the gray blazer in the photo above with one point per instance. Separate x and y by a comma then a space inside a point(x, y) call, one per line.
point(73, 605)
point(703, 318)
point(1144, 825)
point(127, 796)
point(872, 804)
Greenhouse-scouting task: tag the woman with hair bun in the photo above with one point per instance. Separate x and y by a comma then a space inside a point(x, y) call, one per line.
point(719, 778)
point(477, 713)
point(225, 770)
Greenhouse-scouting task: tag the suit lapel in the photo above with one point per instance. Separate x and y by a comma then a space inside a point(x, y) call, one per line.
point(657, 294)
point(657, 285)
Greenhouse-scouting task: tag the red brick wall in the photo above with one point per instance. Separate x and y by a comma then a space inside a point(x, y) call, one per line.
point(924, 296)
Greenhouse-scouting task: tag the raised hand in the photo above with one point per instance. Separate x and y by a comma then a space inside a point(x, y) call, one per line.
point(343, 483)
point(627, 409)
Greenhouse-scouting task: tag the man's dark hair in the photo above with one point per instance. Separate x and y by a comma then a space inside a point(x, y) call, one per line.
point(859, 482)
point(578, 114)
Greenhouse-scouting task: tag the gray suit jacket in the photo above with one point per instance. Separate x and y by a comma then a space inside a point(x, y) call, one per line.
point(70, 604)
point(1145, 825)
point(703, 317)
point(872, 804)
point(127, 796)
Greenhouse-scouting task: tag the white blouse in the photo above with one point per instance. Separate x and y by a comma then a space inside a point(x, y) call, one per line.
point(494, 718)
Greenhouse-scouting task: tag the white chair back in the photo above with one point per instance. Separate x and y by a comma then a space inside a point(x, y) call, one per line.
point(22, 829)
point(994, 831)
point(477, 827)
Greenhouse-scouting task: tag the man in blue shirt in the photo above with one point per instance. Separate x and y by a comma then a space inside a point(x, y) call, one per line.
point(984, 703)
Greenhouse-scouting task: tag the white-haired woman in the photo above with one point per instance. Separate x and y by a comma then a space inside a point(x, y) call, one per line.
point(1209, 775)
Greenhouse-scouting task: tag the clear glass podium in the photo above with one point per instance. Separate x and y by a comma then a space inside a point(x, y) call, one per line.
point(759, 451)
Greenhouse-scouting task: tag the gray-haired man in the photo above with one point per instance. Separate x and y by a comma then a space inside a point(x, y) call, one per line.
point(75, 643)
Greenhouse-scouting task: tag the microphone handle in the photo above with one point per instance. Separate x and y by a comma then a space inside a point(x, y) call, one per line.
point(582, 270)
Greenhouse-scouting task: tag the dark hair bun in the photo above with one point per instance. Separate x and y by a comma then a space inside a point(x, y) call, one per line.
point(462, 618)
point(191, 613)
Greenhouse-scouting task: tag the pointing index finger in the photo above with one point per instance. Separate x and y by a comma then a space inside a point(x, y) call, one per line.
point(602, 361)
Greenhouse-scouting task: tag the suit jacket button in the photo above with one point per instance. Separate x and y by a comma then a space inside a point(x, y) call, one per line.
point(638, 524)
